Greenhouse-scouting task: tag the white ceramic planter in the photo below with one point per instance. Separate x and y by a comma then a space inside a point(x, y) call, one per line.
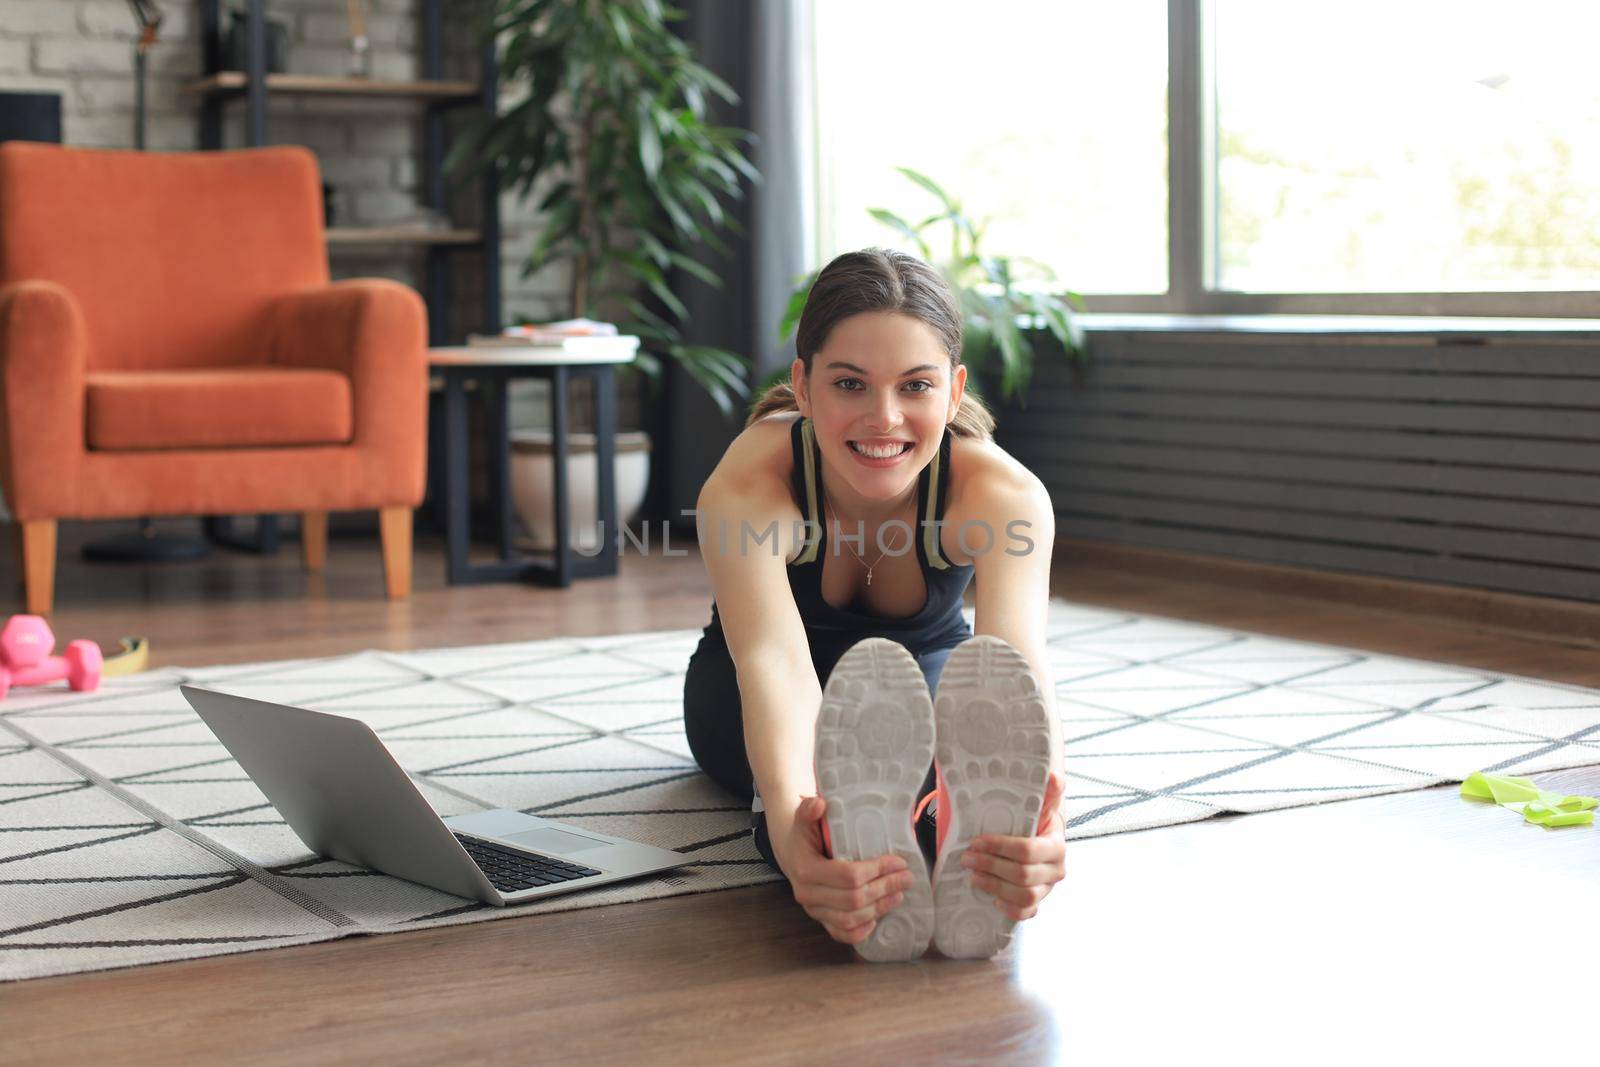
point(532, 485)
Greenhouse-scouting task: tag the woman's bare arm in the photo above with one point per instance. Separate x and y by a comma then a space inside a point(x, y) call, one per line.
point(1013, 602)
point(744, 499)
point(739, 504)
point(1012, 578)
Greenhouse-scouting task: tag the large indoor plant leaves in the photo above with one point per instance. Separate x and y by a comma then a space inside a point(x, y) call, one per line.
point(605, 120)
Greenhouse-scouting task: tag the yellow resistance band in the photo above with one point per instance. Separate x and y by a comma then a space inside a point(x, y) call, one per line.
point(1537, 806)
point(134, 657)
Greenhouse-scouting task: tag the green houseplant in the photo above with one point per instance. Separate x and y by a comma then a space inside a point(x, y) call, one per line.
point(604, 126)
point(997, 300)
point(606, 115)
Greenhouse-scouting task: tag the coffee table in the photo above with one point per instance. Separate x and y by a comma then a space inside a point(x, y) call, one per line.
point(495, 368)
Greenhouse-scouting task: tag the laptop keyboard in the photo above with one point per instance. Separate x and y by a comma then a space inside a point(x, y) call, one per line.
point(511, 871)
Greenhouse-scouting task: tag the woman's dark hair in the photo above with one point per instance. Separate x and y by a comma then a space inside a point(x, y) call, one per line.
point(879, 279)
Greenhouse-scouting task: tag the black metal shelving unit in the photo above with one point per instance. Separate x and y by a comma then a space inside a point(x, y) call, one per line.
point(219, 86)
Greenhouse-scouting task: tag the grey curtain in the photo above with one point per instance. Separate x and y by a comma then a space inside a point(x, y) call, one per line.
point(762, 50)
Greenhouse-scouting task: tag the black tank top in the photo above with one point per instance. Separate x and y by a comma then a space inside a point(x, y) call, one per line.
point(829, 629)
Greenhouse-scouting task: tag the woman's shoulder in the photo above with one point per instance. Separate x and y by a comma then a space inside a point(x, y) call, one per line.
point(981, 469)
point(759, 461)
point(992, 488)
point(749, 491)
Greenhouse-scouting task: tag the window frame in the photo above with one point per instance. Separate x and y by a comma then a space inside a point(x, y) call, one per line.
point(1193, 210)
point(1193, 244)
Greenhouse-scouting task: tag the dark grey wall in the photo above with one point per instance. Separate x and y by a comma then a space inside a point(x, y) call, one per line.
point(1470, 458)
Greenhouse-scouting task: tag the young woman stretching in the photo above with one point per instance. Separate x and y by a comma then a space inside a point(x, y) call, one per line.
point(858, 503)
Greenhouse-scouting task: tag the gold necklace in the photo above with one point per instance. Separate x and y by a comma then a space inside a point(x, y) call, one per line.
point(834, 514)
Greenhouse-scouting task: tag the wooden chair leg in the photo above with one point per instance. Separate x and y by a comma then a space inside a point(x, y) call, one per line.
point(314, 540)
point(395, 528)
point(39, 564)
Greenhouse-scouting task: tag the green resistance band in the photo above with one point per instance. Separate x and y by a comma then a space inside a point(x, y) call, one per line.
point(1537, 806)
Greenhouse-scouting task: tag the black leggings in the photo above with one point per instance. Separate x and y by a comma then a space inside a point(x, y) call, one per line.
point(713, 721)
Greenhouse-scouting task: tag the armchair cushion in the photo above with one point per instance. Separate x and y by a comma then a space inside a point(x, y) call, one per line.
point(229, 407)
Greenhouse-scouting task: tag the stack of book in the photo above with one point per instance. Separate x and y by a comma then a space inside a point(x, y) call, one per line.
point(577, 337)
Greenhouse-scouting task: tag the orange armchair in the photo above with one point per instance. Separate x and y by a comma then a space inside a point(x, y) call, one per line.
point(170, 344)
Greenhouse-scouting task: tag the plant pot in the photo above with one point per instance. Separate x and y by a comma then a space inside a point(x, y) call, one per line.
point(533, 485)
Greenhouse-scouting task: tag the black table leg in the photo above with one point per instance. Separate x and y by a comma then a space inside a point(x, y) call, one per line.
point(558, 455)
point(499, 449)
point(605, 454)
point(568, 564)
point(457, 513)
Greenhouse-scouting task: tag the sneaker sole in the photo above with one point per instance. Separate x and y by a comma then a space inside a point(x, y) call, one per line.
point(874, 748)
point(994, 753)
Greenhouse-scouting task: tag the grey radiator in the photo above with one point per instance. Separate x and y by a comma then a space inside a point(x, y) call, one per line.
point(1469, 457)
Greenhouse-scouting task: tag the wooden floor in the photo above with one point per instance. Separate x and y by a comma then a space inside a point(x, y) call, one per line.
point(1415, 928)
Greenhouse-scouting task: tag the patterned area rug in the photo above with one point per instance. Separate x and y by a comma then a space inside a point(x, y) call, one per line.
point(128, 836)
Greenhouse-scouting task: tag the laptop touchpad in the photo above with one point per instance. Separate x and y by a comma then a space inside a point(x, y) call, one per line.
point(546, 839)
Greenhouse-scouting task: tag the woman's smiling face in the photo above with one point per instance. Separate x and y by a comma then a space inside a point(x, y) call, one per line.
point(879, 395)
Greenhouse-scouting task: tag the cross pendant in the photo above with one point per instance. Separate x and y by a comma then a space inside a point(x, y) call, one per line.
point(869, 575)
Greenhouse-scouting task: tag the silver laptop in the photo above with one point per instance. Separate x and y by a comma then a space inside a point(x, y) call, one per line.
point(341, 791)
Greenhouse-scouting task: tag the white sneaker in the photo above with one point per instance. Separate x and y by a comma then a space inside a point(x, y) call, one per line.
point(994, 757)
point(874, 748)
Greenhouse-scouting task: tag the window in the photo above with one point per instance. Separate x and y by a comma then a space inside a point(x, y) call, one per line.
point(1424, 156)
point(1048, 118)
point(1420, 146)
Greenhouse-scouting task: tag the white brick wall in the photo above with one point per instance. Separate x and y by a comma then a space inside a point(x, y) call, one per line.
point(76, 55)
point(83, 49)
point(25, 18)
point(113, 18)
point(383, 31)
point(14, 56)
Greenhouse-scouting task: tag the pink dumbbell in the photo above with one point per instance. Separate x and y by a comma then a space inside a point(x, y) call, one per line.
point(25, 646)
